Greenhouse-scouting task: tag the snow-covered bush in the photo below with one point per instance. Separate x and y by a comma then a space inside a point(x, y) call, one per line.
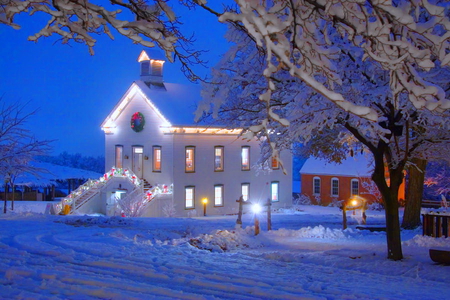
point(169, 209)
point(302, 200)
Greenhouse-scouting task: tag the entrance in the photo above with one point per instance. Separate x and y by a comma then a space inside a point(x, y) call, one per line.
point(138, 153)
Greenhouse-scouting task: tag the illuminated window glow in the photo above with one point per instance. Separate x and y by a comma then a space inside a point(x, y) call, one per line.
point(190, 159)
point(218, 158)
point(218, 195)
point(245, 191)
point(189, 197)
point(119, 156)
point(275, 163)
point(274, 191)
point(156, 158)
point(245, 158)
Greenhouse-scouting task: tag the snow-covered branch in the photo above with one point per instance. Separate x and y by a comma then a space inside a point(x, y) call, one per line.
point(149, 23)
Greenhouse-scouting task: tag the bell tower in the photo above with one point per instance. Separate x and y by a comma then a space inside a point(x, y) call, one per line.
point(151, 69)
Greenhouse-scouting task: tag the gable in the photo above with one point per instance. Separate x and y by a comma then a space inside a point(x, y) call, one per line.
point(174, 103)
point(133, 92)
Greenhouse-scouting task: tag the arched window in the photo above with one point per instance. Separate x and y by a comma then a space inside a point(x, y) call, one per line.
point(355, 187)
point(334, 187)
point(316, 185)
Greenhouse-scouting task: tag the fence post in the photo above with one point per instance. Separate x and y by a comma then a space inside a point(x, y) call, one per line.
point(269, 214)
point(239, 219)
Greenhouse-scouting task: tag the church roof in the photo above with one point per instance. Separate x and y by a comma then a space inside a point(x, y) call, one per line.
point(177, 102)
point(352, 166)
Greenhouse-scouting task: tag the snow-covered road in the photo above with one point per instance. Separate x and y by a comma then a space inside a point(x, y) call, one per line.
point(55, 257)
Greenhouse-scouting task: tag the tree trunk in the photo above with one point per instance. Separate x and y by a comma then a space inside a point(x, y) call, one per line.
point(389, 194)
point(13, 195)
point(414, 194)
point(394, 241)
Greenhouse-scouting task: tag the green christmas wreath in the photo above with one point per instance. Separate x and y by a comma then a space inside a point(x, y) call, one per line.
point(137, 122)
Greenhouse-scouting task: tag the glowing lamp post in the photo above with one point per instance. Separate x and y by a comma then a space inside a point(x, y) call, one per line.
point(204, 201)
point(256, 208)
point(354, 203)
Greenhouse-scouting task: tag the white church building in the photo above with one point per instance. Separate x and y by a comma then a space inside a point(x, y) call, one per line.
point(151, 132)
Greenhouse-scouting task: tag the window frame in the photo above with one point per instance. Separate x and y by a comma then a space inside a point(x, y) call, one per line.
point(245, 168)
point(247, 184)
point(116, 147)
point(222, 158)
point(154, 151)
point(314, 185)
point(334, 179)
point(222, 190)
point(186, 159)
point(277, 191)
point(186, 188)
point(352, 188)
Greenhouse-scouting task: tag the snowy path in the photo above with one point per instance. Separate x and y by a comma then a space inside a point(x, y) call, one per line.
point(43, 258)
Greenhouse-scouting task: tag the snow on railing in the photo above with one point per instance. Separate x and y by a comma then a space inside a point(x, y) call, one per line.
point(90, 185)
point(443, 211)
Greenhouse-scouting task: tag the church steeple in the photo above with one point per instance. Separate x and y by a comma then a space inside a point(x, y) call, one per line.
point(151, 69)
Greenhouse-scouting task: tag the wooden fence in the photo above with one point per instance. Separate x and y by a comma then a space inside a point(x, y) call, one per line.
point(436, 225)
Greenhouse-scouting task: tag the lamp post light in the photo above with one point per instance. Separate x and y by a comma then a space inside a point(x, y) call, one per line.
point(205, 201)
point(256, 208)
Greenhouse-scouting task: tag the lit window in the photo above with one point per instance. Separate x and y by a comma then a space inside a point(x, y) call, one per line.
point(245, 156)
point(245, 191)
point(334, 187)
point(157, 68)
point(355, 187)
point(316, 186)
point(275, 163)
point(190, 159)
point(218, 158)
point(119, 157)
point(274, 191)
point(189, 197)
point(218, 195)
point(138, 150)
point(156, 158)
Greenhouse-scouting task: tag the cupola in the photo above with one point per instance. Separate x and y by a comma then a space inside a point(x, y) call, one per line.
point(152, 69)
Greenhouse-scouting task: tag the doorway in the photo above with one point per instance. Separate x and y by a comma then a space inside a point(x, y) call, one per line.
point(138, 153)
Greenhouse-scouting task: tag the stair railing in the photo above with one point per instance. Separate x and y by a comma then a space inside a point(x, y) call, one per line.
point(98, 185)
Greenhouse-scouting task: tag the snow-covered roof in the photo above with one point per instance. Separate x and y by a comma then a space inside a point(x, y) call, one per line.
point(177, 102)
point(352, 166)
point(52, 172)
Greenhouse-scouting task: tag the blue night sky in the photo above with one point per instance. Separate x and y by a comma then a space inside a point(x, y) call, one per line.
point(74, 91)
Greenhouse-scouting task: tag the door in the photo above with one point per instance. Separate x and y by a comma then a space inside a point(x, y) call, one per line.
point(138, 153)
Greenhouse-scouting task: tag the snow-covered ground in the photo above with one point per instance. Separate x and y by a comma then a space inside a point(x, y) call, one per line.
point(306, 256)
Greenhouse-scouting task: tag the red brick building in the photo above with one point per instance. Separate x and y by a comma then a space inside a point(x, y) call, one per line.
point(325, 183)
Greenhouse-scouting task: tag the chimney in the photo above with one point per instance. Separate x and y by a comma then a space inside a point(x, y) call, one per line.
point(152, 69)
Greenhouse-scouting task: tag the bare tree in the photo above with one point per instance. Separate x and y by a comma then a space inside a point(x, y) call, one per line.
point(18, 147)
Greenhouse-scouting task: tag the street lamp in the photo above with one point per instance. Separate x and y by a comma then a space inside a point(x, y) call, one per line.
point(205, 201)
point(256, 208)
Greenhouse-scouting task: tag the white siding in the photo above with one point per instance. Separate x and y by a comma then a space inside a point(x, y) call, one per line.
point(150, 136)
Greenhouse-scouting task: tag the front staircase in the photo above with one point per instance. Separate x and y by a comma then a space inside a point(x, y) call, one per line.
point(142, 191)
